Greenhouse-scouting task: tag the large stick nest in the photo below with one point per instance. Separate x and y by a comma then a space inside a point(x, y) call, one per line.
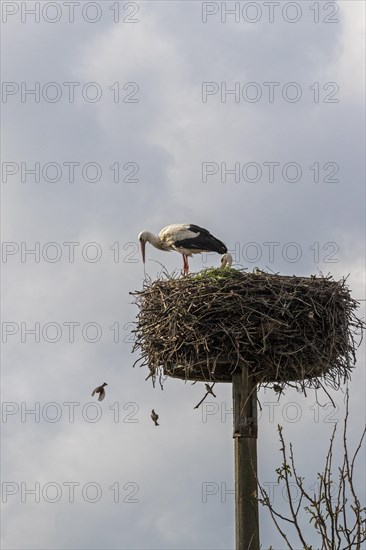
point(286, 329)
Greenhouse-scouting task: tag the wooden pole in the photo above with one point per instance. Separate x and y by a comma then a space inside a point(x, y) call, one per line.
point(245, 449)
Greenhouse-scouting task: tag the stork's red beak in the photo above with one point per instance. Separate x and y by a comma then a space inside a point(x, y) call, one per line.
point(143, 251)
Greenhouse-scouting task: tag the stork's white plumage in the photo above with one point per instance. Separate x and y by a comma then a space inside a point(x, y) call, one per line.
point(187, 239)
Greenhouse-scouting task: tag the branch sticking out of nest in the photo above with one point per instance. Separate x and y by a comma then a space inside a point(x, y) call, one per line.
point(289, 330)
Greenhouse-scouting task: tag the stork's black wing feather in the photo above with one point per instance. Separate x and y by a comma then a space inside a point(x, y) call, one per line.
point(203, 241)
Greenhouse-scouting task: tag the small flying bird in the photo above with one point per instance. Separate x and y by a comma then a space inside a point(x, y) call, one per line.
point(154, 417)
point(209, 389)
point(101, 391)
point(187, 239)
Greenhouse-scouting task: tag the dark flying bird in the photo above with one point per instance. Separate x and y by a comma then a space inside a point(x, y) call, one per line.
point(155, 417)
point(101, 391)
point(187, 239)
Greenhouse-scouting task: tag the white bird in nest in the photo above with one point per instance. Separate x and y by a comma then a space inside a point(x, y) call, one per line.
point(188, 239)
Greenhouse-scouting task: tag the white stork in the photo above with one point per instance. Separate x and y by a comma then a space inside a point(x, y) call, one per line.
point(187, 239)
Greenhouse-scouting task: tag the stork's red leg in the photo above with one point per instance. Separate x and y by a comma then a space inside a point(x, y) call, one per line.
point(185, 264)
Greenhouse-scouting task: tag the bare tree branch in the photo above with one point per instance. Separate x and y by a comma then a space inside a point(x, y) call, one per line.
point(336, 514)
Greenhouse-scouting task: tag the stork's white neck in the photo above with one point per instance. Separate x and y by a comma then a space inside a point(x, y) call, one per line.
point(152, 239)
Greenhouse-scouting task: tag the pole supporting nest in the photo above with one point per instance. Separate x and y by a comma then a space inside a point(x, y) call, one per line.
point(245, 451)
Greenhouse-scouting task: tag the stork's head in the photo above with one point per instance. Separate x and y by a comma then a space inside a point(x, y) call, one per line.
point(143, 238)
point(226, 260)
point(104, 384)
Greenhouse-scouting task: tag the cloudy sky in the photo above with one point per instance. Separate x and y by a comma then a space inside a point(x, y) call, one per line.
point(120, 117)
